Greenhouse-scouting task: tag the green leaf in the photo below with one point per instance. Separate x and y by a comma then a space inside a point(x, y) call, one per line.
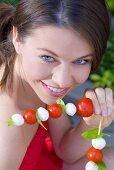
point(95, 77)
point(105, 134)
point(10, 122)
point(61, 102)
point(102, 165)
point(39, 121)
point(92, 134)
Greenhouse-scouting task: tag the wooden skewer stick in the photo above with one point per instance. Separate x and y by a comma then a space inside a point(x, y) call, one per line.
point(100, 125)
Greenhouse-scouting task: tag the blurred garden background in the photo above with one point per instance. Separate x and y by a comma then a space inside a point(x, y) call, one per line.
point(104, 77)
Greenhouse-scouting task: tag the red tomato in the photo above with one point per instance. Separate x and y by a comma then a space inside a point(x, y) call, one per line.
point(30, 116)
point(55, 110)
point(94, 155)
point(84, 107)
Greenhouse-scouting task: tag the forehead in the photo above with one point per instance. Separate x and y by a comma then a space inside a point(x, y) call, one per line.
point(62, 41)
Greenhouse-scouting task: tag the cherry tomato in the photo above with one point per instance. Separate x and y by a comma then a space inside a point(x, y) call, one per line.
point(84, 107)
point(55, 110)
point(30, 116)
point(94, 155)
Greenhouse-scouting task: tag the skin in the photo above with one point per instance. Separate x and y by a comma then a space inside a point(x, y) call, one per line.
point(61, 72)
point(31, 71)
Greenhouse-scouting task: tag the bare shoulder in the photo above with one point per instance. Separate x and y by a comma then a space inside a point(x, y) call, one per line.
point(13, 140)
point(13, 143)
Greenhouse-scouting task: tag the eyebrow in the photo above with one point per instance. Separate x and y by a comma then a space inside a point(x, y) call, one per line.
point(49, 51)
point(53, 53)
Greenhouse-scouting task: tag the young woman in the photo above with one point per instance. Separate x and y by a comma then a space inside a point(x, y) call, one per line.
point(47, 48)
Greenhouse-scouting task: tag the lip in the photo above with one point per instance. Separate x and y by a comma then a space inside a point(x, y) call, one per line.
point(52, 93)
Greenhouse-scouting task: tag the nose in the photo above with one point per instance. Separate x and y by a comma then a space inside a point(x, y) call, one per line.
point(62, 76)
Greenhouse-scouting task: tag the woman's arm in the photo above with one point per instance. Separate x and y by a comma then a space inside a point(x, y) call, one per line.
point(80, 164)
point(70, 146)
point(68, 143)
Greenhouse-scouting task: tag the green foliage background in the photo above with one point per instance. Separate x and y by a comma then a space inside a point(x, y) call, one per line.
point(104, 77)
point(111, 5)
point(13, 2)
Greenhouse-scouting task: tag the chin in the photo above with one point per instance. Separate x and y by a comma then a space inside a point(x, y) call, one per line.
point(46, 98)
point(49, 100)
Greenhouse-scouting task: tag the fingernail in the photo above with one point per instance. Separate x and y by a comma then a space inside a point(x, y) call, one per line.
point(104, 112)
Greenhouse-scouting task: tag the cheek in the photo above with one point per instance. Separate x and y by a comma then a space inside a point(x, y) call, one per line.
point(82, 75)
point(35, 70)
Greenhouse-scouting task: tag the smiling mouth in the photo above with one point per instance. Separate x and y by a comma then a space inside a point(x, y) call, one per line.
point(54, 91)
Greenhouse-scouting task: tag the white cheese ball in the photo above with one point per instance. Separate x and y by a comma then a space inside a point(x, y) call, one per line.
point(91, 166)
point(43, 114)
point(70, 109)
point(18, 119)
point(99, 143)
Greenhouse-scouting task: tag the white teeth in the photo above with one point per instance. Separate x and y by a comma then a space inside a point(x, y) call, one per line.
point(55, 89)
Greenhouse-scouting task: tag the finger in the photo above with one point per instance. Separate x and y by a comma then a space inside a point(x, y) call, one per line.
point(109, 99)
point(100, 93)
point(91, 94)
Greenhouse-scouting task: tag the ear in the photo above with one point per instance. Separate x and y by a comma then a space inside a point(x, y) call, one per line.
point(16, 41)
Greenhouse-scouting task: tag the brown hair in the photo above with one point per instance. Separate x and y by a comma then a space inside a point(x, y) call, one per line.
point(89, 18)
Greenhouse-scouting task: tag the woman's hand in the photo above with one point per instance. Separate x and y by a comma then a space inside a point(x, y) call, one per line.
point(103, 102)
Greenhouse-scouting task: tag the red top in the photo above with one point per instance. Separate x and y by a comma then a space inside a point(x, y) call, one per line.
point(40, 154)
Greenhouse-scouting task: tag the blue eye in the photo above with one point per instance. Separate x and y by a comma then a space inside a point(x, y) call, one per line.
point(82, 61)
point(48, 59)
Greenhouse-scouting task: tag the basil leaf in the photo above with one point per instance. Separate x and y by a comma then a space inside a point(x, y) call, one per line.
point(61, 102)
point(105, 134)
point(92, 134)
point(102, 165)
point(39, 121)
point(10, 122)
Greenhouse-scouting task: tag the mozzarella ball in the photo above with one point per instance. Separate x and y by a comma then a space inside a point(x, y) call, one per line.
point(43, 114)
point(91, 166)
point(99, 143)
point(70, 109)
point(18, 119)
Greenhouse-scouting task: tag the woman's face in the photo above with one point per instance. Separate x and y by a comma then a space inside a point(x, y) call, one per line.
point(53, 61)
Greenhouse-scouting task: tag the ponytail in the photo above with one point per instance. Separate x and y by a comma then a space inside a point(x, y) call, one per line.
point(6, 46)
point(6, 19)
